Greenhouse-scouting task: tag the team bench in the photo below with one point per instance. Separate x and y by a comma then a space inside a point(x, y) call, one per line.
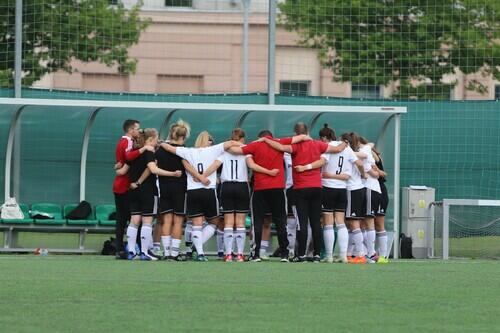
point(96, 223)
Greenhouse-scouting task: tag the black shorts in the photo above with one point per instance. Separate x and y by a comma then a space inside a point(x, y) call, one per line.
point(355, 208)
point(143, 202)
point(235, 197)
point(384, 201)
point(290, 201)
point(173, 198)
point(334, 199)
point(202, 202)
point(372, 203)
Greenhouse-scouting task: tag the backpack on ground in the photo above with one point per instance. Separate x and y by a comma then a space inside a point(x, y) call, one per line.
point(81, 212)
point(109, 247)
point(406, 245)
point(11, 210)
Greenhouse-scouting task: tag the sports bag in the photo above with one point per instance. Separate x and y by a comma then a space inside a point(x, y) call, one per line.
point(81, 212)
point(11, 210)
point(406, 245)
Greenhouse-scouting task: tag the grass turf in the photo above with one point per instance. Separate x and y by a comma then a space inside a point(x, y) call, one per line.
point(98, 294)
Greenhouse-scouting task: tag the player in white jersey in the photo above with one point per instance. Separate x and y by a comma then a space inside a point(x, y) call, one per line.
point(235, 194)
point(336, 172)
point(372, 199)
point(202, 200)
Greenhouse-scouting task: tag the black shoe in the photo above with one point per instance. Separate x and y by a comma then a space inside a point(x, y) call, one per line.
point(298, 259)
point(189, 255)
point(254, 259)
point(316, 259)
point(122, 255)
point(179, 257)
point(284, 256)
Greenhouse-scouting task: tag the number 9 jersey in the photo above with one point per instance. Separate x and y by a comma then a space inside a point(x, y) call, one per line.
point(342, 162)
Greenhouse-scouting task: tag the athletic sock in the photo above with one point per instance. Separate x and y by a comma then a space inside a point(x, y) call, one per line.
point(342, 239)
point(221, 240)
point(166, 241)
point(228, 240)
point(197, 235)
point(329, 239)
point(146, 237)
point(370, 242)
point(357, 236)
point(208, 232)
point(157, 246)
point(350, 244)
point(240, 240)
point(382, 243)
point(188, 242)
point(131, 237)
point(291, 233)
point(263, 247)
point(175, 247)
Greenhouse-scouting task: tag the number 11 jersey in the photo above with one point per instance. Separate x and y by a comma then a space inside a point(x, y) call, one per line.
point(234, 167)
point(342, 162)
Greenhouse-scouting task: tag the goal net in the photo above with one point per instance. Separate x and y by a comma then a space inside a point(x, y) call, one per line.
point(467, 228)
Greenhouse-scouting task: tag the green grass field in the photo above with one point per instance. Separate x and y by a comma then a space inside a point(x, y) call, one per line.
point(100, 294)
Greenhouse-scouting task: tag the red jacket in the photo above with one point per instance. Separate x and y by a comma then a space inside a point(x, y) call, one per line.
point(123, 154)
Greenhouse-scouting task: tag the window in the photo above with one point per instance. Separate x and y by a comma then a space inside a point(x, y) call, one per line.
point(179, 3)
point(497, 91)
point(366, 91)
point(294, 88)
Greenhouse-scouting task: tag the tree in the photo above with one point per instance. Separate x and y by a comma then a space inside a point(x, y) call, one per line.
point(55, 32)
point(412, 43)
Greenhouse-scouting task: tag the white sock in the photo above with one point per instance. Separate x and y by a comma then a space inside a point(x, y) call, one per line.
point(382, 243)
point(208, 232)
point(263, 247)
point(166, 240)
point(197, 238)
point(350, 244)
point(146, 237)
point(240, 240)
point(358, 242)
point(175, 247)
point(370, 242)
point(228, 240)
point(329, 239)
point(131, 237)
point(342, 239)
point(291, 233)
point(188, 232)
point(221, 240)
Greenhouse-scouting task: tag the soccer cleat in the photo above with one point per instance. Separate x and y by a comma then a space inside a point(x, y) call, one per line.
point(220, 256)
point(374, 257)
point(254, 258)
point(228, 258)
point(189, 255)
point(298, 259)
point(382, 260)
point(131, 256)
point(341, 260)
point(240, 258)
point(264, 256)
point(358, 260)
point(148, 257)
point(350, 259)
point(316, 259)
point(158, 253)
point(201, 257)
point(369, 260)
point(327, 259)
point(284, 257)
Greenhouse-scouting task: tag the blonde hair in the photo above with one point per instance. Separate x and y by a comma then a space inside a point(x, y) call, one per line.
point(203, 139)
point(180, 129)
point(150, 133)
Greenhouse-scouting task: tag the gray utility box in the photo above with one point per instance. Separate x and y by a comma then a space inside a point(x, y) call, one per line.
point(418, 219)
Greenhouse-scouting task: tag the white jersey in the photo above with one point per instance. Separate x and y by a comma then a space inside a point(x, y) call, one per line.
point(287, 158)
point(355, 182)
point(370, 182)
point(201, 159)
point(342, 162)
point(234, 168)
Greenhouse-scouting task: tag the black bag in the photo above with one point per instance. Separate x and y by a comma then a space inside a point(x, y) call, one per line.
point(109, 247)
point(112, 217)
point(81, 212)
point(406, 244)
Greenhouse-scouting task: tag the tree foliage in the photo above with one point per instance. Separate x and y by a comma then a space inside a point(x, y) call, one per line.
point(55, 32)
point(413, 43)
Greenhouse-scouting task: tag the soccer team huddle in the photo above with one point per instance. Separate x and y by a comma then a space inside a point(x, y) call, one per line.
point(305, 187)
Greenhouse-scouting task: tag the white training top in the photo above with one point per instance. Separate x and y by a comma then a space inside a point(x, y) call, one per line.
point(355, 182)
point(287, 158)
point(370, 182)
point(234, 167)
point(201, 159)
point(342, 162)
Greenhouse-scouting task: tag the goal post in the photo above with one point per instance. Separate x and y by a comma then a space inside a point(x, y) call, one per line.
point(464, 219)
point(87, 130)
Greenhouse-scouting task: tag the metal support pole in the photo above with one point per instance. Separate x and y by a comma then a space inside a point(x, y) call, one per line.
point(85, 149)
point(446, 230)
point(397, 150)
point(18, 49)
point(246, 12)
point(9, 151)
point(271, 54)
